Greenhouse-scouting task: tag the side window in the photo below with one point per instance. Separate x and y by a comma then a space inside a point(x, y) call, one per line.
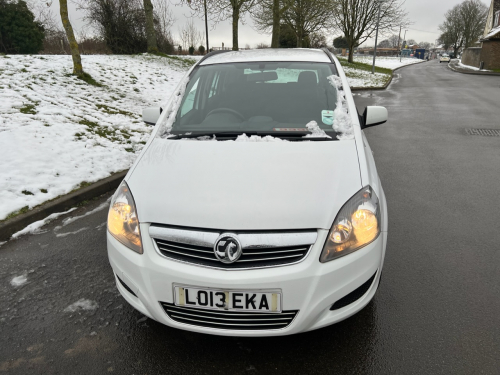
point(496, 19)
point(189, 101)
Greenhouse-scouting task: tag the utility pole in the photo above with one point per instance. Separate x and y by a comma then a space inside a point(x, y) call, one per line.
point(399, 39)
point(376, 37)
point(206, 26)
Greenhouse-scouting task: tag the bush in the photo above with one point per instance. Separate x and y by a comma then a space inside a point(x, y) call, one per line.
point(201, 50)
point(191, 50)
point(19, 32)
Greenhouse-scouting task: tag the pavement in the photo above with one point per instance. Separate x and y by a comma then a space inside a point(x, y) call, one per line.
point(454, 65)
point(436, 311)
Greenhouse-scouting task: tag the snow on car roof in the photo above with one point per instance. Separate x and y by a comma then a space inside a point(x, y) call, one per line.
point(268, 54)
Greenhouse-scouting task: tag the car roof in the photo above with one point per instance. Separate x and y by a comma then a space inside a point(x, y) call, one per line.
point(268, 54)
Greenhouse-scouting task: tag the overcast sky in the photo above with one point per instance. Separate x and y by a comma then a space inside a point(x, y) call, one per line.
point(426, 15)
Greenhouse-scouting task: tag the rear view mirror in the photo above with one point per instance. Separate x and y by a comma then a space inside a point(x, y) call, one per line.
point(374, 116)
point(262, 77)
point(151, 115)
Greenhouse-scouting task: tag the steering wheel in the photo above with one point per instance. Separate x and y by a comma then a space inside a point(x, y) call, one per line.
point(226, 110)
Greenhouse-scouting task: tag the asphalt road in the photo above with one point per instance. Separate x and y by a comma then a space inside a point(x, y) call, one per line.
point(437, 310)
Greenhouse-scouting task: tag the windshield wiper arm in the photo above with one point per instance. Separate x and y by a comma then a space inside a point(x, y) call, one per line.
point(207, 134)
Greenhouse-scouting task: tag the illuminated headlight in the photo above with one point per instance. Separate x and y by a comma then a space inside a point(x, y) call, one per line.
point(123, 223)
point(356, 225)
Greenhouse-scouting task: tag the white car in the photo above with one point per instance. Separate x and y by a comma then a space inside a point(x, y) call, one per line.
point(444, 58)
point(255, 209)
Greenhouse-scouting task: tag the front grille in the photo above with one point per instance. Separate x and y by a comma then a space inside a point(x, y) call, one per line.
point(250, 258)
point(233, 320)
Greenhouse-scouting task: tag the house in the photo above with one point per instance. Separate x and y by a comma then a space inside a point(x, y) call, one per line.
point(490, 52)
point(488, 55)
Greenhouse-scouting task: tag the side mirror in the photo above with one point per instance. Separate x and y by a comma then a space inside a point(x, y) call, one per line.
point(374, 116)
point(151, 115)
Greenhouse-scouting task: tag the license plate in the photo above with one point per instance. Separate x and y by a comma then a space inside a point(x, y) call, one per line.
point(229, 300)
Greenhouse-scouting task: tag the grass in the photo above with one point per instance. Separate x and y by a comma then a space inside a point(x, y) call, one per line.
point(114, 135)
point(28, 109)
point(185, 62)
point(113, 111)
point(18, 212)
point(363, 66)
point(88, 78)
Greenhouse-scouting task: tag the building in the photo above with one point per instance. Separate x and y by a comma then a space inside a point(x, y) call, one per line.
point(488, 55)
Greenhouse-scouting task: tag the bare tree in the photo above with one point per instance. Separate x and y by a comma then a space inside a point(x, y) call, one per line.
point(452, 29)
point(150, 26)
point(425, 45)
point(164, 21)
point(189, 35)
point(357, 19)
point(302, 16)
point(267, 16)
point(75, 52)
point(221, 10)
point(474, 14)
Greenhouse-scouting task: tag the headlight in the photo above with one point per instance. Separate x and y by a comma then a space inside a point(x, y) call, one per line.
point(123, 223)
point(356, 225)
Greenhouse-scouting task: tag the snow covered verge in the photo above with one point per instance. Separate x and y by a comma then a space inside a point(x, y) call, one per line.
point(359, 74)
point(58, 133)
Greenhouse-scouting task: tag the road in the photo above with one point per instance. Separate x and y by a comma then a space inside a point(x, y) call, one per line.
point(437, 310)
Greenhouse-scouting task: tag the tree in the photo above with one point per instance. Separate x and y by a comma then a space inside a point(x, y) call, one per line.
point(267, 18)
point(357, 19)
point(474, 14)
point(394, 41)
point(411, 42)
point(317, 40)
point(150, 27)
point(19, 32)
point(221, 10)
point(341, 42)
point(452, 29)
point(73, 45)
point(425, 45)
point(190, 35)
point(384, 44)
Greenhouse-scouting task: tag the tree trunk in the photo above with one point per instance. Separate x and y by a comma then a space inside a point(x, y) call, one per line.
point(299, 37)
point(236, 18)
point(275, 41)
point(351, 53)
point(150, 27)
point(73, 45)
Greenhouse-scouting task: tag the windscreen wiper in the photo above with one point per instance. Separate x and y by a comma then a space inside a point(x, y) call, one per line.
point(291, 136)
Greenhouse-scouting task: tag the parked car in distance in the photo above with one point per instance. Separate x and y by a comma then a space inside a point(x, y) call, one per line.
point(444, 58)
point(255, 208)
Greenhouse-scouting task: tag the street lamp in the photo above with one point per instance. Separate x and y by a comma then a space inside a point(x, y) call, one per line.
point(376, 34)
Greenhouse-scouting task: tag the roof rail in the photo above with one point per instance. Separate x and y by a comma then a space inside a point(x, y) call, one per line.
point(210, 54)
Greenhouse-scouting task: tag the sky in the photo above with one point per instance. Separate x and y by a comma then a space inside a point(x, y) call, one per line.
point(425, 15)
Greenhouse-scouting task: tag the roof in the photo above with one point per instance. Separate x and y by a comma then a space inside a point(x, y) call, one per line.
point(495, 32)
point(268, 54)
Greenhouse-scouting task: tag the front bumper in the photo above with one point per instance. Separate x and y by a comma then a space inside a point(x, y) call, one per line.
point(310, 287)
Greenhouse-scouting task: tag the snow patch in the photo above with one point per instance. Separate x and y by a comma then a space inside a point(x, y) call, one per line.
point(57, 131)
point(342, 123)
point(102, 206)
point(19, 280)
point(68, 233)
point(82, 304)
point(255, 138)
point(316, 131)
point(34, 228)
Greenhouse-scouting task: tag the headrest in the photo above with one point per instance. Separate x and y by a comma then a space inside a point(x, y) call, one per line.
point(308, 78)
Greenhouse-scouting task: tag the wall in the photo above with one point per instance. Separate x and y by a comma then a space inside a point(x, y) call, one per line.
point(490, 54)
point(472, 56)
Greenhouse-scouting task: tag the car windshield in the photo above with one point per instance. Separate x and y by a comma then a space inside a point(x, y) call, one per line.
point(263, 98)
